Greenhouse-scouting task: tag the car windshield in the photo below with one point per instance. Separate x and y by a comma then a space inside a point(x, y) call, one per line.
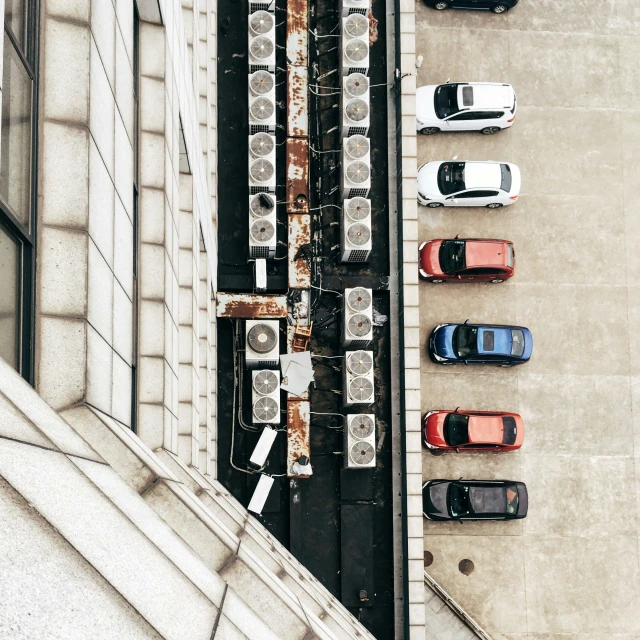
point(446, 100)
point(511, 256)
point(511, 492)
point(509, 430)
point(451, 177)
point(517, 342)
point(456, 429)
point(459, 502)
point(465, 340)
point(452, 256)
point(505, 171)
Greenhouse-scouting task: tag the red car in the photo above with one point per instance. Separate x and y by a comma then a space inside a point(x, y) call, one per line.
point(472, 430)
point(467, 260)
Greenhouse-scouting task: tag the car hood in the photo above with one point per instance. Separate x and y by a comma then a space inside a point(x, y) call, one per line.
point(443, 341)
point(430, 258)
point(434, 429)
point(425, 109)
point(428, 180)
point(436, 499)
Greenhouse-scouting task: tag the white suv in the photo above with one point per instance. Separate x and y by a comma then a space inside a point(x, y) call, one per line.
point(465, 106)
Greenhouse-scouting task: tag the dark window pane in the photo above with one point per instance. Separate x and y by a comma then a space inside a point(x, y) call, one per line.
point(9, 299)
point(15, 153)
point(14, 17)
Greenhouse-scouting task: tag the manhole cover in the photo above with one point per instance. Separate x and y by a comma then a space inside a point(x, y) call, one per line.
point(466, 567)
point(428, 558)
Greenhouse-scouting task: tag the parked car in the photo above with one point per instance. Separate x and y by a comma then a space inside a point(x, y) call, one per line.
point(487, 107)
point(472, 430)
point(468, 184)
point(474, 500)
point(467, 260)
point(496, 344)
point(497, 6)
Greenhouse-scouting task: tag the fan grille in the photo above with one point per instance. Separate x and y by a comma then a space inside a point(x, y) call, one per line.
point(261, 82)
point(265, 382)
point(361, 389)
point(362, 453)
point(357, 84)
point(262, 145)
point(265, 409)
point(358, 209)
point(261, 170)
point(356, 25)
point(360, 362)
point(357, 146)
point(261, 22)
point(356, 50)
point(261, 109)
point(357, 172)
point(262, 231)
point(261, 48)
point(258, 206)
point(359, 299)
point(361, 426)
point(357, 110)
point(358, 234)
point(262, 338)
point(359, 325)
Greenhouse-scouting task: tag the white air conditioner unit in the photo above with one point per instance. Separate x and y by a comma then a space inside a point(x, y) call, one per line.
point(355, 25)
point(360, 441)
point(262, 5)
point(262, 23)
point(355, 6)
point(355, 245)
point(355, 85)
point(356, 179)
point(265, 396)
point(260, 495)
point(262, 225)
point(355, 117)
point(262, 52)
point(262, 145)
point(355, 56)
point(358, 385)
point(356, 147)
point(262, 175)
point(262, 83)
point(357, 317)
point(262, 114)
point(357, 210)
point(262, 343)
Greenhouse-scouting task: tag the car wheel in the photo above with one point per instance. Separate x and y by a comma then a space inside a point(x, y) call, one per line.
point(440, 6)
point(487, 131)
point(436, 281)
point(497, 281)
point(499, 8)
point(494, 205)
point(429, 131)
point(435, 205)
point(437, 452)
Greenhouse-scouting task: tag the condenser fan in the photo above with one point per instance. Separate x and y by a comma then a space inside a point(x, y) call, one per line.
point(361, 389)
point(261, 205)
point(362, 453)
point(357, 172)
point(357, 110)
point(356, 50)
point(261, 48)
point(361, 426)
point(261, 145)
point(262, 338)
point(359, 299)
point(359, 362)
point(262, 231)
point(356, 146)
point(261, 170)
point(356, 84)
point(359, 325)
point(265, 409)
point(265, 382)
point(261, 108)
point(261, 22)
point(358, 234)
point(261, 82)
point(356, 25)
point(358, 209)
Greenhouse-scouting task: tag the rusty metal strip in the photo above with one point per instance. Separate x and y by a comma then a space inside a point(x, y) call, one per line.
point(297, 102)
point(236, 305)
point(299, 251)
point(297, 175)
point(298, 433)
point(297, 32)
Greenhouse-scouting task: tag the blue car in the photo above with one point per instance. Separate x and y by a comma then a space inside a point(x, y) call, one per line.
point(466, 343)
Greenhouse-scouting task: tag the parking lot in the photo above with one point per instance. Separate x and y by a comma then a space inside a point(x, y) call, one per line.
point(570, 570)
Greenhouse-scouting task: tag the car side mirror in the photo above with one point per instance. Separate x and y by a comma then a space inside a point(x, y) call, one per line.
point(459, 277)
point(457, 409)
point(457, 449)
point(466, 362)
point(460, 521)
point(457, 237)
point(466, 321)
point(448, 81)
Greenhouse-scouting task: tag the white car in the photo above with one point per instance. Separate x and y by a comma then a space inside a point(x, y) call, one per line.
point(468, 184)
point(487, 107)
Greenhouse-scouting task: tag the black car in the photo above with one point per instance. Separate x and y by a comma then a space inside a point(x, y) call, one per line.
point(474, 500)
point(497, 6)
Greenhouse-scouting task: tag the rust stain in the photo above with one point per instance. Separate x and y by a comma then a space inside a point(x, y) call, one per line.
point(299, 254)
point(297, 175)
point(297, 102)
point(234, 305)
point(297, 32)
point(373, 28)
point(298, 433)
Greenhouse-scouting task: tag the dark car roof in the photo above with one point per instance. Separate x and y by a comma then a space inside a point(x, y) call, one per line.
point(488, 499)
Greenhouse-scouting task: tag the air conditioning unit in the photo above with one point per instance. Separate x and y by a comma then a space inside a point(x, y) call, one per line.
point(262, 5)
point(356, 178)
point(262, 114)
point(262, 145)
point(356, 147)
point(357, 317)
point(355, 117)
point(262, 175)
point(355, 56)
point(355, 25)
point(355, 6)
point(355, 239)
point(262, 23)
point(262, 83)
point(262, 52)
point(262, 343)
point(356, 85)
point(262, 225)
point(358, 385)
point(360, 441)
point(357, 210)
point(265, 396)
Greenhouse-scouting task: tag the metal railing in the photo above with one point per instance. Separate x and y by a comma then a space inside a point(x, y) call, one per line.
point(456, 608)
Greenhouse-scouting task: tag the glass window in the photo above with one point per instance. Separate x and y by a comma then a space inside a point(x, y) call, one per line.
point(14, 18)
point(511, 256)
point(452, 257)
point(451, 177)
point(517, 342)
point(456, 429)
point(446, 100)
point(466, 115)
point(478, 194)
point(466, 341)
point(9, 299)
point(459, 501)
point(505, 172)
point(510, 430)
point(15, 154)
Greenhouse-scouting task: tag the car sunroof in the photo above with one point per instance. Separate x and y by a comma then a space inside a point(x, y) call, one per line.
point(487, 341)
point(467, 96)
